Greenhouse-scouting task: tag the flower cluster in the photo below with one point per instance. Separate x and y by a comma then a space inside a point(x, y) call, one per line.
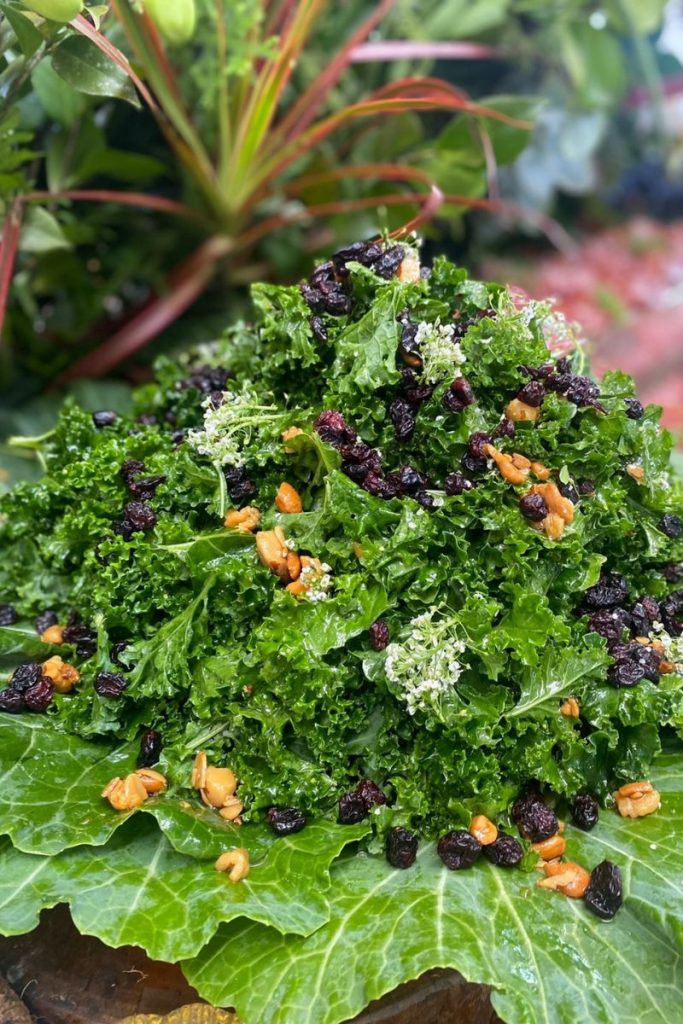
point(441, 355)
point(229, 426)
point(426, 665)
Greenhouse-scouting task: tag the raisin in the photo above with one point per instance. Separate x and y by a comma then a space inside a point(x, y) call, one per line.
point(671, 525)
point(673, 573)
point(145, 488)
point(409, 480)
point(506, 428)
point(476, 444)
point(408, 348)
point(104, 418)
point(8, 615)
point(474, 463)
point(634, 409)
point(456, 483)
point(285, 821)
point(459, 850)
point(11, 702)
point(585, 811)
point(569, 491)
point(672, 608)
point(643, 614)
point(360, 459)
point(609, 622)
point(586, 487)
point(425, 499)
point(414, 390)
point(332, 428)
point(401, 847)
point(110, 684)
point(402, 415)
point(370, 793)
point(583, 391)
point(123, 528)
point(242, 491)
point(78, 633)
point(373, 483)
point(25, 676)
point(459, 395)
point(150, 749)
point(505, 852)
point(532, 394)
point(534, 819)
point(604, 894)
point(39, 696)
point(44, 621)
point(533, 507)
point(537, 372)
point(633, 662)
point(389, 262)
point(379, 635)
point(178, 436)
point(358, 252)
point(352, 809)
point(140, 516)
point(318, 329)
point(611, 590)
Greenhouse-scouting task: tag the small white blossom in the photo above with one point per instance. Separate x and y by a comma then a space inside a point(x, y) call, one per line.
point(427, 664)
point(229, 428)
point(319, 586)
point(441, 354)
point(673, 645)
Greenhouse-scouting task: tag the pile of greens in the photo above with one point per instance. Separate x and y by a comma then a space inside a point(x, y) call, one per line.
point(432, 652)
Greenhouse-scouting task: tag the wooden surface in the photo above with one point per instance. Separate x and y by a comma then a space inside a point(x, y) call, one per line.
point(67, 978)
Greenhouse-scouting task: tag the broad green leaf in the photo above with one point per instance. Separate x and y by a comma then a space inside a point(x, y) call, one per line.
point(59, 101)
point(366, 350)
point(28, 36)
point(560, 672)
point(42, 233)
point(24, 640)
point(547, 958)
point(85, 68)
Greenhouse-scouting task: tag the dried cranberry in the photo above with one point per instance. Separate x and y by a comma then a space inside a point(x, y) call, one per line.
point(643, 614)
point(39, 696)
point(110, 684)
point(672, 609)
point(476, 444)
point(604, 894)
point(360, 459)
point(533, 507)
point(333, 429)
point(379, 635)
point(415, 390)
point(124, 528)
point(532, 394)
point(459, 850)
point(586, 487)
point(402, 415)
point(318, 329)
point(409, 349)
point(12, 702)
point(105, 418)
point(534, 819)
point(8, 615)
point(673, 573)
point(585, 811)
point(634, 409)
point(611, 590)
point(459, 395)
point(456, 483)
point(370, 794)
point(140, 516)
point(408, 479)
point(401, 847)
point(569, 491)
point(242, 491)
point(145, 488)
point(374, 484)
point(537, 372)
point(25, 676)
point(285, 821)
point(506, 428)
point(609, 622)
point(425, 499)
point(44, 621)
point(178, 436)
point(583, 391)
point(474, 463)
point(389, 262)
point(150, 749)
point(505, 851)
point(632, 663)
point(352, 809)
point(671, 525)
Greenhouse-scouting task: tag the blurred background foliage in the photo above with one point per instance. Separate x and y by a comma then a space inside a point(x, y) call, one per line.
point(584, 73)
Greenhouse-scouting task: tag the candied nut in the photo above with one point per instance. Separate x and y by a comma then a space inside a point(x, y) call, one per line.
point(231, 809)
point(288, 434)
point(288, 499)
point(570, 708)
point(506, 466)
point(293, 565)
point(273, 551)
point(635, 789)
point(637, 799)
point(219, 785)
point(568, 878)
point(636, 471)
point(540, 471)
point(243, 519)
point(553, 526)
point(555, 501)
point(483, 829)
point(519, 411)
point(666, 667)
point(409, 270)
point(548, 849)
point(64, 677)
point(154, 782)
point(199, 771)
point(236, 862)
point(297, 588)
point(125, 794)
point(520, 461)
point(53, 635)
point(644, 640)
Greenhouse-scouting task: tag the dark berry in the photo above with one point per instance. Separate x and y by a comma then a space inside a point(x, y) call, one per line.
point(409, 480)
point(534, 819)
point(216, 399)
point(476, 444)
point(379, 635)
point(415, 390)
point(409, 349)
point(360, 459)
point(110, 684)
point(569, 491)
point(585, 811)
point(586, 487)
point(425, 499)
point(402, 415)
point(505, 852)
point(8, 615)
point(12, 702)
point(401, 847)
point(459, 850)
point(25, 676)
point(456, 483)
point(178, 436)
point(352, 809)
point(39, 696)
point(389, 262)
point(140, 516)
point(673, 573)
point(150, 749)
point(533, 507)
point(609, 622)
point(370, 793)
point(44, 621)
point(332, 428)
point(604, 894)
point(78, 633)
point(643, 614)
point(105, 418)
point(318, 329)
point(537, 372)
point(532, 393)
point(672, 609)
point(373, 483)
point(634, 409)
point(242, 491)
point(582, 391)
point(145, 488)
point(285, 821)
point(611, 590)
point(671, 525)
point(506, 428)
point(474, 464)
point(124, 528)
point(459, 395)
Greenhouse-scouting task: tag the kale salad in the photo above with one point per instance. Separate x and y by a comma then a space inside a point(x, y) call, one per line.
point(374, 605)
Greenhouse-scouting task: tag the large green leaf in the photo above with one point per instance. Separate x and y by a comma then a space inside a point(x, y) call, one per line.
point(85, 68)
point(547, 958)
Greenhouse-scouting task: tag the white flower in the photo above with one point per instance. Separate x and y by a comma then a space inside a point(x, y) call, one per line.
point(441, 354)
point(673, 646)
point(427, 664)
point(229, 428)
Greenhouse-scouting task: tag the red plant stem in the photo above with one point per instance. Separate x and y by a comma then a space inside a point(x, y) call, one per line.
point(9, 243)
point(124, 198)
point(405, 49)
